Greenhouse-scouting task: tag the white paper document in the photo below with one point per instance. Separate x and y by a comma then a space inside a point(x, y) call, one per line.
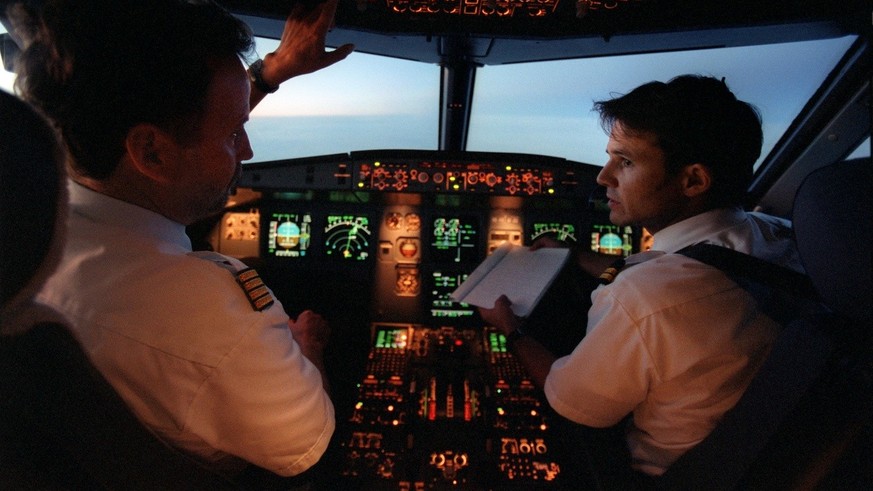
point(515, 271)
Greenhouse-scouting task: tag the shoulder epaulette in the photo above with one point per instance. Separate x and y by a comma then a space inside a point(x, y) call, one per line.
point(608, 275)
point(256, 291)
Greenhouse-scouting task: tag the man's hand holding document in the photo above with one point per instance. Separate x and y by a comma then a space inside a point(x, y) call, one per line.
point(523, 275)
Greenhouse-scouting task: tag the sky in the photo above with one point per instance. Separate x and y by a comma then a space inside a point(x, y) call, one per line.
point(372, 102)
point(777, 79)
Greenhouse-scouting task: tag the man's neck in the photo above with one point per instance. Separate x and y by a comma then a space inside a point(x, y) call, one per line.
point(127, 190)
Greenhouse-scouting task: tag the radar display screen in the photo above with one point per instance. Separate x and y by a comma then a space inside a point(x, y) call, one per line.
point(289, 234)
point(347, 237)
point(455, 239)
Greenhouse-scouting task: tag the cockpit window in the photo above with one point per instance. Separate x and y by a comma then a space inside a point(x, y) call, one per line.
point(376, 102)
point(863, 150)
point(6, 78)
point(364, 102)
point(778, 79)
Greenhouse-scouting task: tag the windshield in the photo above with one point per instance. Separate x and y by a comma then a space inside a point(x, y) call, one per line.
point(547, 107)
point(363, 102)
point(374, 102)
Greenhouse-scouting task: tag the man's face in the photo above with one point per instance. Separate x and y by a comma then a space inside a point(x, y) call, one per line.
point(210, 166)
point(639, 190)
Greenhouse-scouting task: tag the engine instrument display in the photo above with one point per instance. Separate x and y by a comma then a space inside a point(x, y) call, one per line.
point(443, 283)
point(455, 239)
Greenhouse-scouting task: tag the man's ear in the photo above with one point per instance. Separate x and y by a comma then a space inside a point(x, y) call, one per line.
point(696, 180)
point(150, 149)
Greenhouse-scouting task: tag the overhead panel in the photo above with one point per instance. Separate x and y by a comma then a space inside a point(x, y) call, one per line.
point(530, 30)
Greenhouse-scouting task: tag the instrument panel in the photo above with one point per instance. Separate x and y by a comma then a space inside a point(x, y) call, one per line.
point(414, 171)
point(427, 396)
point(447, 176)
point(442, 408)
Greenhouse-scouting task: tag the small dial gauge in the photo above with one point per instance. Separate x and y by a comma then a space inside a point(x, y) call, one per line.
point(393, 220)
point(413, 222)
point(347, 237)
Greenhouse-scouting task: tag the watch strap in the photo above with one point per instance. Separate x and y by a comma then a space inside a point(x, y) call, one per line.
point(257, 78)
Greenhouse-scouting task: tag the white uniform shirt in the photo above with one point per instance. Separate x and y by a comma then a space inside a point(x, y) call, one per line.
point(176, 336)
point(672, 340)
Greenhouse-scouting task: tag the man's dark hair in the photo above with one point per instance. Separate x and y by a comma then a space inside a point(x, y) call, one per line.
point(695, 119)
point(99, 67)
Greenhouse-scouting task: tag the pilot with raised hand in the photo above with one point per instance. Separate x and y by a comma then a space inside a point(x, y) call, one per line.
point(151, 100)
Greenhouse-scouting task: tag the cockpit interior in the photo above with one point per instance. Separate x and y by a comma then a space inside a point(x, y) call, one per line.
point(378, 235)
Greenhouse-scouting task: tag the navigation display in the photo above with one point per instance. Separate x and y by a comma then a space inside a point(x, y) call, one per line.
point(561, 231)
point(347, 237)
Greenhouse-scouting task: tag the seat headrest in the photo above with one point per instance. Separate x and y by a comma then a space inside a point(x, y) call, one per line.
point(32, 200)
point(832, 220)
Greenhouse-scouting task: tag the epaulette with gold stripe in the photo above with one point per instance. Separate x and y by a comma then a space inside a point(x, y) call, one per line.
point(608, 275)
point(256, 291)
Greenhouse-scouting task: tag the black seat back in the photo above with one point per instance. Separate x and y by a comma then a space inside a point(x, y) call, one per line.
point(808, 410)
point(832, 222)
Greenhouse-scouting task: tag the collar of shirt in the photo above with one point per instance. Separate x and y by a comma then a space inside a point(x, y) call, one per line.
point(116, 213)
point(697, 229)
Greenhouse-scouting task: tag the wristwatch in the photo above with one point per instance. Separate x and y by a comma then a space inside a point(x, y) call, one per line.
point(257, 78)
point(514, 336)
